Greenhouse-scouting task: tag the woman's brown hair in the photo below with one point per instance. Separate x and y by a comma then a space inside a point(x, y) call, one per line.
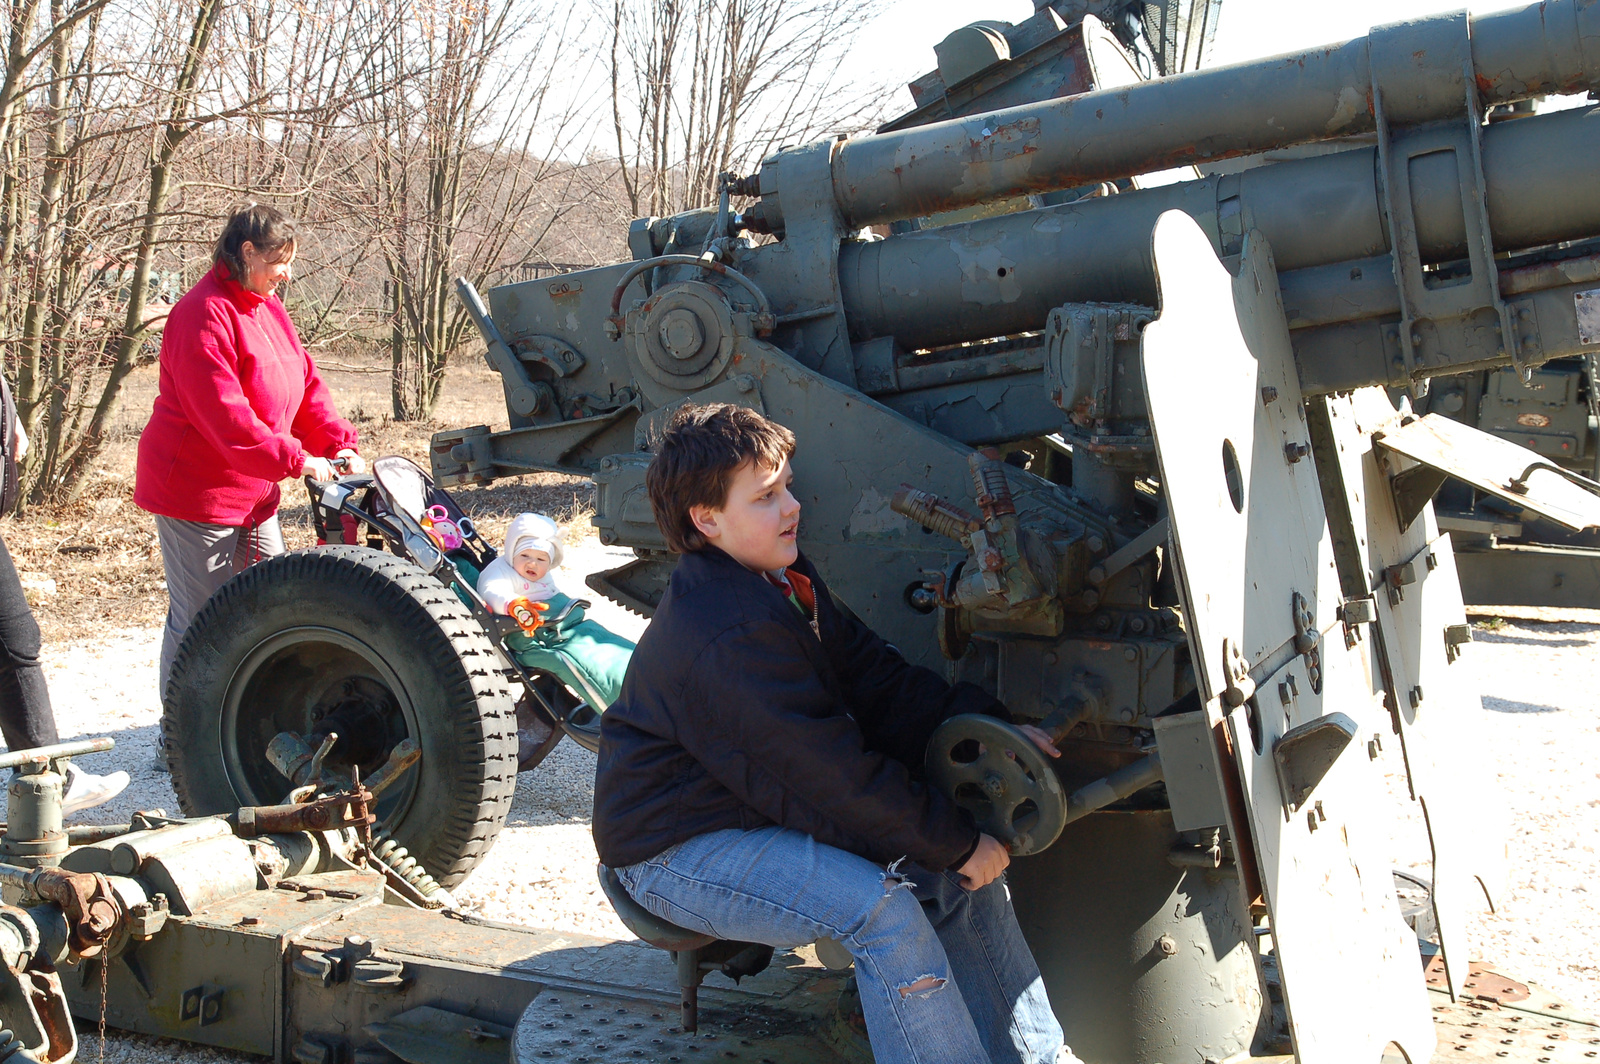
point(265, 228)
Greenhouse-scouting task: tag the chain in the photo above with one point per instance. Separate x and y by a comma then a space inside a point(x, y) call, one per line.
point(105, 977)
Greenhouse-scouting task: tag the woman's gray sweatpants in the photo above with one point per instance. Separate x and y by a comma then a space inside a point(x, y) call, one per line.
point(199, 558)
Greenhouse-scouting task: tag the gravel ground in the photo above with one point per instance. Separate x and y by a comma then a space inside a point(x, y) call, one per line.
point(1540, 679)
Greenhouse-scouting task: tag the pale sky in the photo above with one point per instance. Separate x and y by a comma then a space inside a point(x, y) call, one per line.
point(899, 43)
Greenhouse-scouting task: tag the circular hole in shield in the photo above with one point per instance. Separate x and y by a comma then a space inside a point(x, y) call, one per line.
point(1230, 470)
point(966, 751)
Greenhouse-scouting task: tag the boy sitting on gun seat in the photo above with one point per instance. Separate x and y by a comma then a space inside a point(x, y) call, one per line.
point(754, 780)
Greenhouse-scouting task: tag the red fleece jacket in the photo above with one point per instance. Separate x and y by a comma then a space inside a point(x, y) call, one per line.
point(239, 408)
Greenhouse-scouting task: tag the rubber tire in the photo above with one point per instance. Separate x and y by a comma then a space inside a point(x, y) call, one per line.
point(444, 661)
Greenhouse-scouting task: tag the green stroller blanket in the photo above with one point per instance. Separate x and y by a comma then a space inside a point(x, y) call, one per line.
point(583, 654)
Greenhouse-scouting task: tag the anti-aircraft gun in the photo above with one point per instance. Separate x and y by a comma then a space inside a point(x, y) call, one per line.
point(1131, 460)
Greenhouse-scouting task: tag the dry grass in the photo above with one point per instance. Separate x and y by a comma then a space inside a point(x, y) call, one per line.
point(101, 551)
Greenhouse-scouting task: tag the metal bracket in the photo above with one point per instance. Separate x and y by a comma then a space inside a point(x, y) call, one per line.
point(1305, 754)
point(1130, 552)
point(1455, 637)
point(555, 355)
point(1307, 640)
point(1354, 613)
point(1237, 670)
point(1425, 299)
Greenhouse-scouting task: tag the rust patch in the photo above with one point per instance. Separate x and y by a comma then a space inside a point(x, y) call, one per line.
point(1483, 982)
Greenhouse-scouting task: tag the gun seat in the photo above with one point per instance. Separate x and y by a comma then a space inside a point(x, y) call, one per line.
point(697, 955)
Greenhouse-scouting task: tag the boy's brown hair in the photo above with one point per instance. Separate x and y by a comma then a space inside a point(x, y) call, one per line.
point(701, 449)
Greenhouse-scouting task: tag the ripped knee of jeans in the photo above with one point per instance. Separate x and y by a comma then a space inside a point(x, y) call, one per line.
point(894, 879)
point(927, 986)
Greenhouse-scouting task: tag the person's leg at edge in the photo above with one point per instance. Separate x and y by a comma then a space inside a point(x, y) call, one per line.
point(257, 543)
point(785, 889)
point(26, 719)
point(197, 559)
point(994, 967)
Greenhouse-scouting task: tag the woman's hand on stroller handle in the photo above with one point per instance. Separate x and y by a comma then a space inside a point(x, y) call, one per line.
point(347, 462)
point(317, 468)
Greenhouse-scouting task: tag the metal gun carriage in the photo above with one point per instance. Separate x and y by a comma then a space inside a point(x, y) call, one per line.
point(1153, 466)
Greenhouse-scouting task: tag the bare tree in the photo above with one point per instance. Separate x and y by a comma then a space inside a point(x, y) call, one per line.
point(414, 141)
point(701, 87)
point(458, 186)
point(101, 182)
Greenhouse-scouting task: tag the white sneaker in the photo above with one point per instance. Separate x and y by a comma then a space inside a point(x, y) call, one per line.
point(85, 790)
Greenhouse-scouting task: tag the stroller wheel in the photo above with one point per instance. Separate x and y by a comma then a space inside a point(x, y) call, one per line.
point(354, 642)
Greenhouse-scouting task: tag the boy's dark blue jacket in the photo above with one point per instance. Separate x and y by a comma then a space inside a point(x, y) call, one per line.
point(734, 714)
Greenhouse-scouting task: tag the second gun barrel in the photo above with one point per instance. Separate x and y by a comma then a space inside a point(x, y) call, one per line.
point(1420, 68)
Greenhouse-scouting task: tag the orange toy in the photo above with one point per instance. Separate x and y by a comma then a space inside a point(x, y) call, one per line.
point(527, 613)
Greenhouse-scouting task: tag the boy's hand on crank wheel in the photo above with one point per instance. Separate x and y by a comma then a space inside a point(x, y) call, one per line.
point(986, 863)
point(1041, 738)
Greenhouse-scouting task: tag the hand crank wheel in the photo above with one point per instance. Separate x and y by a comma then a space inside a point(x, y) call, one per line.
point(997, 774)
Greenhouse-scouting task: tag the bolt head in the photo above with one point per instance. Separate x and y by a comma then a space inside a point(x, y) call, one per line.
point(681, 333)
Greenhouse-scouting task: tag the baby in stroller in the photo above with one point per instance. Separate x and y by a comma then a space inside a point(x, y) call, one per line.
point(571, 667)
point(587, 657)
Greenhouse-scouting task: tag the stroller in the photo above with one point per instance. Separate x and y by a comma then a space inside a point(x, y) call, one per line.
point(398, 507)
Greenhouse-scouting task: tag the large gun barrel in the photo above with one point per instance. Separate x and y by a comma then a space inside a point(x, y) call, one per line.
point(1403, 73)
point(1003, 275)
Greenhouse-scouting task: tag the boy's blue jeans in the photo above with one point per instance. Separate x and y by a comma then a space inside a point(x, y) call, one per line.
point(979, 996)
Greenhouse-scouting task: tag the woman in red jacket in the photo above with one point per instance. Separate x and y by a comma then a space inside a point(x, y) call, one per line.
point(240, 408)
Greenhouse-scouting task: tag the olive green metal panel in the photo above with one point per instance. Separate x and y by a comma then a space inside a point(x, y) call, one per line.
point(1123, 936)
point(1261, 590)
point(1234, 446)
point(216, 977)
point(1532, 575)
point(1425, 642)
point(1421, 647)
